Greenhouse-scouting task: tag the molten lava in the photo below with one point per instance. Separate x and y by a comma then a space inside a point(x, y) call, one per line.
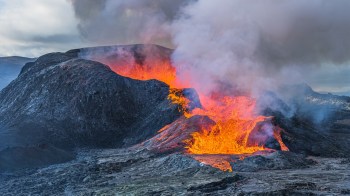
point(278, 137)
point(235, 121)
point(237, 129)
point(162, 71)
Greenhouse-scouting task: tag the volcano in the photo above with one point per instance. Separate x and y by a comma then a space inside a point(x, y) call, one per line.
point(80, 104)
point(228, 112)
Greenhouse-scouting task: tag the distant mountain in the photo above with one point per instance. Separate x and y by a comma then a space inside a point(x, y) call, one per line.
point(345, 93)
point(10, 68)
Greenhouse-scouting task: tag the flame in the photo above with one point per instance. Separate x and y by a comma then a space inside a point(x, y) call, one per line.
point(236, 123)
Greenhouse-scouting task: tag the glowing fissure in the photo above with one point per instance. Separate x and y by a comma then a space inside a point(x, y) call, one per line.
point(236, 124)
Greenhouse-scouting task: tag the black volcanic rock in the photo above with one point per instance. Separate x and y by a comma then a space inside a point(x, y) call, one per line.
point(275, 161)
point(132, 172)
point(69, 102)
point(314, 124)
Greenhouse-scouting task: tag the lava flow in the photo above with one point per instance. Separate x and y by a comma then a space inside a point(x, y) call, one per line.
point(237, 128)
point(235, 122)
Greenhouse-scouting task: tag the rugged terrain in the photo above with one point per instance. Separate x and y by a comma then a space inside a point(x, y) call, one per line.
point(132, 172)
point(70, 125)
point(64, 102)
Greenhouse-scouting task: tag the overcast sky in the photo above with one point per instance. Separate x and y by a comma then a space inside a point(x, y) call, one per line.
point(34, 27)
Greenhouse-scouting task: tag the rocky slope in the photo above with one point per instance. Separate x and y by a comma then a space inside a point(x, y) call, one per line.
point(313, 123)
point(132, 172)
point(66, 102)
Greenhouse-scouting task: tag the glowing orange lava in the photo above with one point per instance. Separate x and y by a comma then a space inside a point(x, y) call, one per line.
point(234, 124)
point(236, 120)
point(278, 137)
point(162, 71)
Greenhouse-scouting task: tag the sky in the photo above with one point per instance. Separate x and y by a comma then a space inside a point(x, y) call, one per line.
point(35, 27)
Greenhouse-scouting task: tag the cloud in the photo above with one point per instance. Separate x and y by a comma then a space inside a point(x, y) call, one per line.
point(250, 44)
point(32, 28)
point(331, 78)
point(256, 45)
point(126, 22)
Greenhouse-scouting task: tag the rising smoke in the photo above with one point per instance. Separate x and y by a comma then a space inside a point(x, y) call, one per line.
point(248, 46)
point(258, 44)
point(126, 22)
point(252, 45)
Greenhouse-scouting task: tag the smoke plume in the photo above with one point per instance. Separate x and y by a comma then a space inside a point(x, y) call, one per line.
point(249, 45)
point(126, 22)
point(255, 45)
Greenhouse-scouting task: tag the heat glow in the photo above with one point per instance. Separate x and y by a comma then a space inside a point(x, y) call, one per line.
point(237, 130)
point(235, 122)
point(162, 71)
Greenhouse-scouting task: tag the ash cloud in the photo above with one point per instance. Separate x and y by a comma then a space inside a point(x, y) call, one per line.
point(257, 45)
point(249, 46)
point(126, 22)
point(272, 33)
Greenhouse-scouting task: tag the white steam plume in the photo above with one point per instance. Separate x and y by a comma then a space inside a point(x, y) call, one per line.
point(257, 45)
point(126, 22)
point(250, 45)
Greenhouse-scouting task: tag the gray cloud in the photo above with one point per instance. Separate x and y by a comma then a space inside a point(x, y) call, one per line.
point(316, 32)
point(33, 28)
point(58, 38)
point(257, 45)
point(126, 22)
point(251, 44)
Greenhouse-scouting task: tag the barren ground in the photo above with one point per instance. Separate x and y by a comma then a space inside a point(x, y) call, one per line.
point(132, 172)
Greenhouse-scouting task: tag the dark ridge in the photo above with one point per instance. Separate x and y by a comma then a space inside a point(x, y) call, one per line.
point(67, 102)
